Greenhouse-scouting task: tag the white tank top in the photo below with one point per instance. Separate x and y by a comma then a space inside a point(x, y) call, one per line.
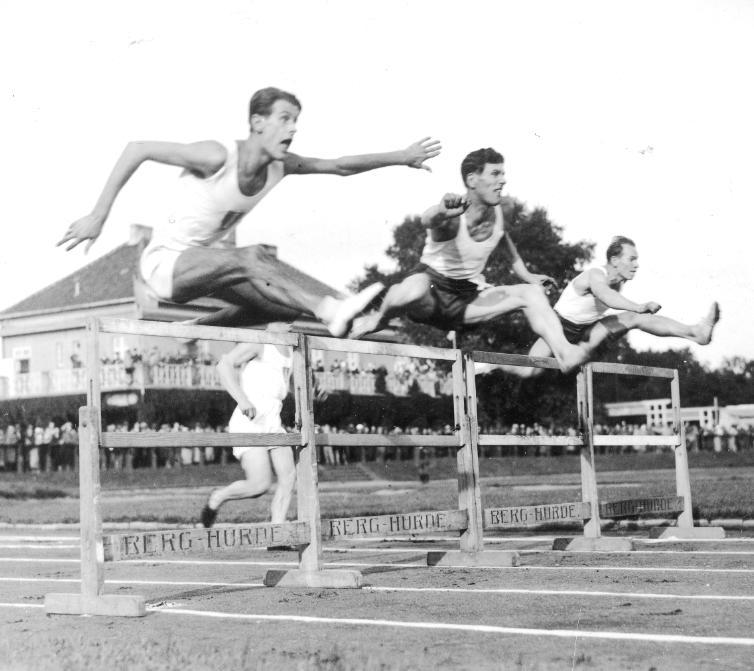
point(462, 257)
point(579, 309)
point(267, 376)
point(207, 208)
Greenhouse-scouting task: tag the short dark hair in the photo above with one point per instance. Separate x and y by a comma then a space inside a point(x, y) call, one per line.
point(262, 101)
point(476, 160)
point(615, 248)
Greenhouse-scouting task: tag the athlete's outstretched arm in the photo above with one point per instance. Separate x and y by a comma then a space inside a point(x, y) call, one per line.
point(229, 370)
point(203, 158)
point(614, 299)
point(519, 267)
point(414, 156)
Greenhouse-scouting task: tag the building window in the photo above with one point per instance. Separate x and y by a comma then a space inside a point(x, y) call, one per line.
point(119, 347)
point(22, 359)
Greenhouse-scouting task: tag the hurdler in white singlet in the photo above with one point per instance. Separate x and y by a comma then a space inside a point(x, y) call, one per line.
point(462, 257)
point(265, 381)
point(580, 309)
point(206, 209)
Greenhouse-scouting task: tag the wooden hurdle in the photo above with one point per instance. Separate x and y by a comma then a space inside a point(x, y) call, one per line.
point(96, 548)
point(680, 504)
point(590, 511)
point(466, 520)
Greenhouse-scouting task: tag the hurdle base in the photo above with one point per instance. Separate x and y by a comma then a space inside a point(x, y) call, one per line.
point(333, 578)
point(599, 544)
point(459, 558)
point(123, 605)
point(687, 533)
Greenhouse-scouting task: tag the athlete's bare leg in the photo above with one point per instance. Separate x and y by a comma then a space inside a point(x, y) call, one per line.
point(201, 271)
point(664, 327)
point(247, 308)
point(539, 349)
point(498, 301)
point(258, 467)
point(285, 472)
point(411, 297)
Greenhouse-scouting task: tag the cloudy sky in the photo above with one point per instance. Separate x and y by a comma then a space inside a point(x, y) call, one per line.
point(630, 118)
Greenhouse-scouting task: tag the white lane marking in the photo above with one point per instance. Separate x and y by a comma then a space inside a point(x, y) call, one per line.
point(41, 560)
point(546, 550)
point(469, 628)
point(561, 592)
point(429, 549)
point(27, 546)
point(450, 590)
point(42, 539)
point(237, 562)
point(177, 583)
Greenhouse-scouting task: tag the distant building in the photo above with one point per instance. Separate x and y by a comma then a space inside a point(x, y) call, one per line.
point(43, 352)
point(658, 412)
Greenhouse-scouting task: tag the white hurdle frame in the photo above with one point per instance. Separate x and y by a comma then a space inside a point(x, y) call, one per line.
point(308, 531)
point(96, 549)
point(684, 528)
point(467, 519)
point(590, 512)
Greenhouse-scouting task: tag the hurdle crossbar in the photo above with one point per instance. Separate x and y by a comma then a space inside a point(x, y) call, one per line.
point(149, 439)
point(385, 440)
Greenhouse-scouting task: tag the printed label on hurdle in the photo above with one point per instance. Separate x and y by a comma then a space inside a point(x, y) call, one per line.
point(530, 515)
point(181, 541)
point(400, 523)
point(628, 507)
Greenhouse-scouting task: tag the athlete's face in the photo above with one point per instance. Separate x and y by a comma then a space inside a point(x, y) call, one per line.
point(627, 263)
point(278, 128)
point(489, 183)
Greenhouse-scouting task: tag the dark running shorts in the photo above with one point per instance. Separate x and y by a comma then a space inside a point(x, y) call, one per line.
point(450, 298)
point(576, 333)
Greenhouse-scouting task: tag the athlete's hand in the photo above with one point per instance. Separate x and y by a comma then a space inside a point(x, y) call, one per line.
point(248, 410)
point(421, 151)
point(452, 205)
point(650, 307)
point(544, 281)
point(86, 228)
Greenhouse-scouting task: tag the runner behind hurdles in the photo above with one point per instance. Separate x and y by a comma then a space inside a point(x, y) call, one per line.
point(257, 376)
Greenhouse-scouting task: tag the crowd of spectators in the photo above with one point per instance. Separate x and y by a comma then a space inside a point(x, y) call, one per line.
point(48, 446)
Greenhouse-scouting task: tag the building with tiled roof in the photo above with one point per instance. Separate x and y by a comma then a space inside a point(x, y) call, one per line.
point(42, 347)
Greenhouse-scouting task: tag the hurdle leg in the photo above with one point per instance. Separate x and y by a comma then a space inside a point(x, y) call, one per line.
point(92, 600)
point(472, 551)
point(685, 524)
point(310, 572)
point(592, 540)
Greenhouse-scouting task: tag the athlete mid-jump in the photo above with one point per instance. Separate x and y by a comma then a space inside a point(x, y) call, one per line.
point(222, 181)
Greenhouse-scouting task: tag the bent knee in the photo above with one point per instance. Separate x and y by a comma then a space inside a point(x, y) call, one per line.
point(254, 254)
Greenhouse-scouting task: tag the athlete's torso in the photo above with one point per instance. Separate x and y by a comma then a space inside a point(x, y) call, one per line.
point(580, 308)
point(462, 257)
point(267, 375)
point(207, 208)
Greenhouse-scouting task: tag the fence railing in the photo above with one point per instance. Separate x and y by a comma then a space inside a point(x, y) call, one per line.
point(116, 377)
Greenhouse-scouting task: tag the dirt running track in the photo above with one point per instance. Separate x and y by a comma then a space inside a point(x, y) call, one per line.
point(669, 605)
